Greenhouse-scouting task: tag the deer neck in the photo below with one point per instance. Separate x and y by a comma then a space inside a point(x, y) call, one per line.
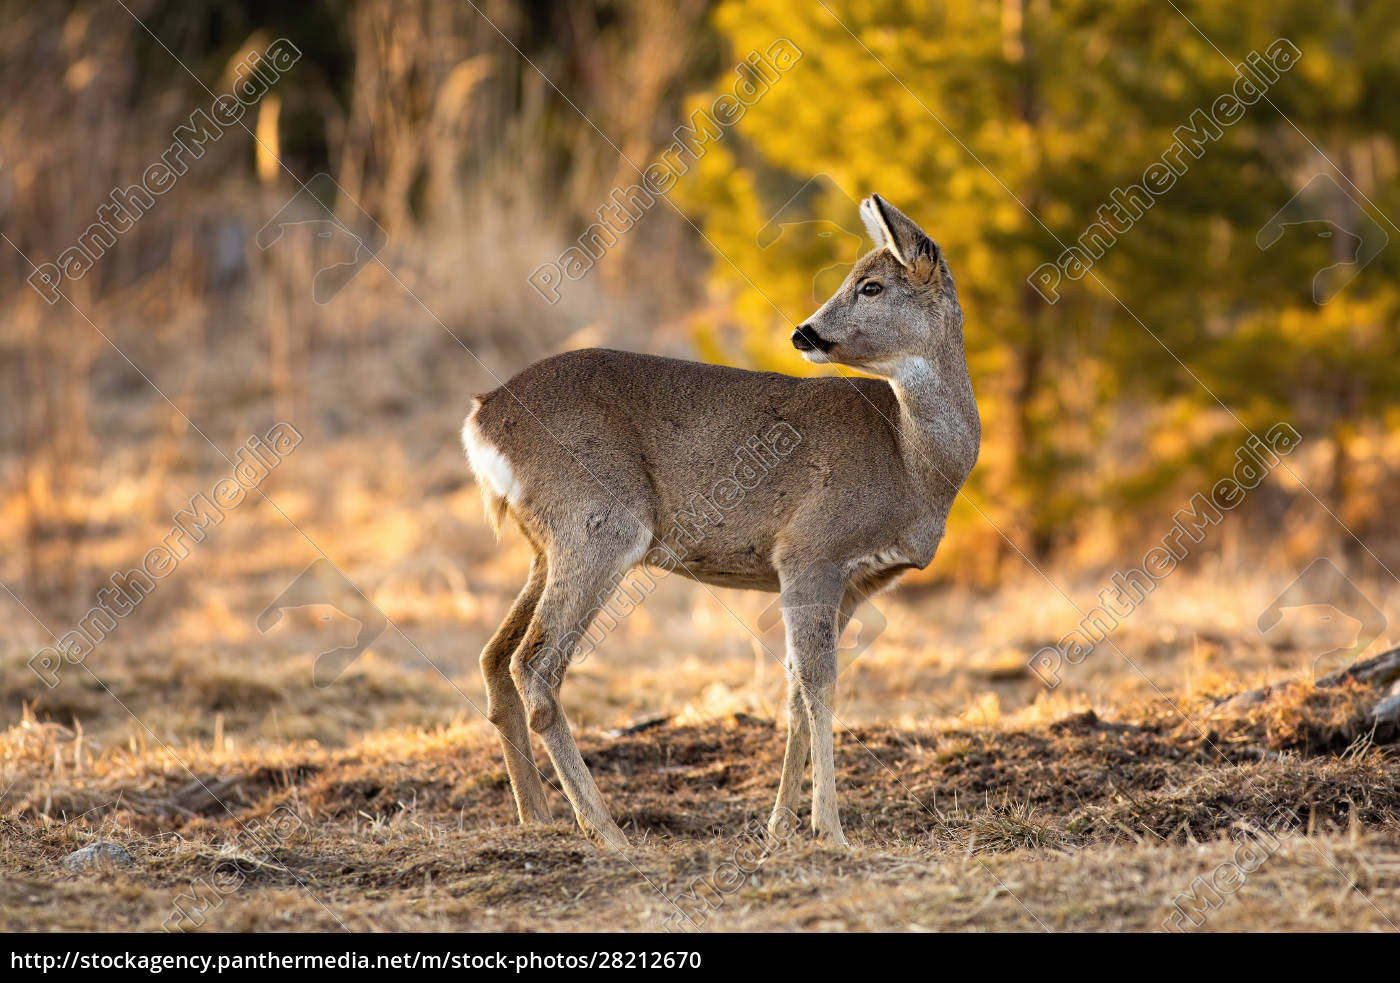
point(939, 429)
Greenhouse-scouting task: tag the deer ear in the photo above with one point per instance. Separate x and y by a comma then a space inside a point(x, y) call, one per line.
point(898, 233)
point(874, 222)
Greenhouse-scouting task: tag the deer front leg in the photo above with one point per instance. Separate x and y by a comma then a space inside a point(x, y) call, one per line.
point(799, 737)
point(811, 612)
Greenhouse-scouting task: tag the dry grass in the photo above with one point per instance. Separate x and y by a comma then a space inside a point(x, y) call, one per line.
point(1077, 827)
point(976, 799)
point(1042, 818)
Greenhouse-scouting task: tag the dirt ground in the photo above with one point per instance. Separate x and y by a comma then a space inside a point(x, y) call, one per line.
point(250, 798)
point(1069, 824)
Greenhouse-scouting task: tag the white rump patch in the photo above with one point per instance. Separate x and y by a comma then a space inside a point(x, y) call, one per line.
point(495, 476)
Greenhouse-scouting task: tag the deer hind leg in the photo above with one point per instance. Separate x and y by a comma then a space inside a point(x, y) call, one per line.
point(583, 569)
point(812, 603)
point(799, 737)
point(503, 704)
point(799, 741)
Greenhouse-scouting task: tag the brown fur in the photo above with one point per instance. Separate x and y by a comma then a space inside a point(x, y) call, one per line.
point(595, 453)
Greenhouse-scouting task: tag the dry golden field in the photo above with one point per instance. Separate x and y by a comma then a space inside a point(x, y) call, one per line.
point(251, 799)
point(257, 783)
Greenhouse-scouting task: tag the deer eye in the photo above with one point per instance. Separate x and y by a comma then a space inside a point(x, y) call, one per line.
point(870, 289)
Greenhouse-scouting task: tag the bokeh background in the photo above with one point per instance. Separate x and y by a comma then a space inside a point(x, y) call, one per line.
point(1002, 126)
point(473, 142)
point(482, 142)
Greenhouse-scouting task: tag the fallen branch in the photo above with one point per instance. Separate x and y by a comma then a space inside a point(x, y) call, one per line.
point(1381, 672)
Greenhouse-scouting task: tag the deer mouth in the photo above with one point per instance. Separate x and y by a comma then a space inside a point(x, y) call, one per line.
point(804, 339)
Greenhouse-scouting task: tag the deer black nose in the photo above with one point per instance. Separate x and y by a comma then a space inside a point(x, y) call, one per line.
point(804, 339)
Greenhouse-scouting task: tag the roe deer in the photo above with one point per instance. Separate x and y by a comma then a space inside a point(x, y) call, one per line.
point(862, 497)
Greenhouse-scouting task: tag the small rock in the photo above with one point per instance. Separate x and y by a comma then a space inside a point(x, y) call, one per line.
point(1387, 711)
point(645, 725)
point(102, 853)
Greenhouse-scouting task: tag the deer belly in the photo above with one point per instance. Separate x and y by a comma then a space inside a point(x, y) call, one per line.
point(744, 566)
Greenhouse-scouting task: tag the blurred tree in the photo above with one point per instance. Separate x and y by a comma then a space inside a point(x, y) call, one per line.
point(1006, 126)
point(1263, 278)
